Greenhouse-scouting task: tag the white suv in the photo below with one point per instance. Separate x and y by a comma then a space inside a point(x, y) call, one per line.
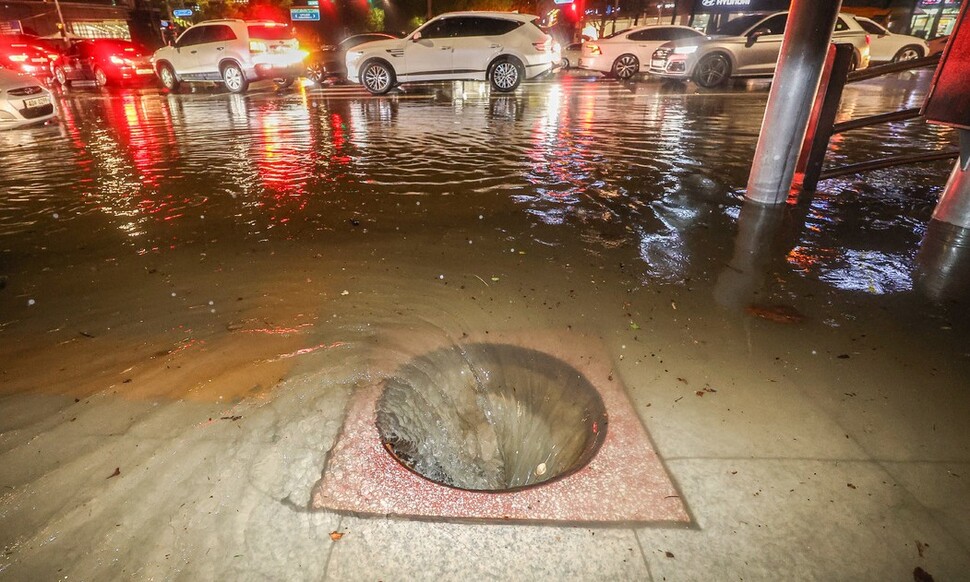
point(235, 52)
point(500, 47)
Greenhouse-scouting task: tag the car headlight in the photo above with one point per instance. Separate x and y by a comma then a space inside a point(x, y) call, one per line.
point(685, 50)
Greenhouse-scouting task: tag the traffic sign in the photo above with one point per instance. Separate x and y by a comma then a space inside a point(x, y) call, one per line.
point(312, 2)
point(563, 1)
point(304, 14)
point(182, 12)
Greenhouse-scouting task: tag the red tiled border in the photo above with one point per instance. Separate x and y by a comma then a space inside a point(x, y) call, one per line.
point(625, 482)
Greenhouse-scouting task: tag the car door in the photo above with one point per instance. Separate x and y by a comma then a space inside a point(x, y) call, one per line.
point(428, 54)
point(760, 52)
point(71, 64)
point(185, 60)
point(211, 50)
point(479, 41)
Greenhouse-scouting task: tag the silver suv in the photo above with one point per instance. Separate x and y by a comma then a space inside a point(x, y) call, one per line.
point(744, 47)
point(503, 48)
point(234, 52)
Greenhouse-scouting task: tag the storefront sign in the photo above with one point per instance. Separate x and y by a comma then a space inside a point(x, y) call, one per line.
point(725, 6)
point(948, 101)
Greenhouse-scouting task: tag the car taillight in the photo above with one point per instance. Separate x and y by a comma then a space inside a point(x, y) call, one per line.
point(18, 58)
point(868, 40)
point(593, 49)
point(257, 46)
point(53, 57)
point(543, 46)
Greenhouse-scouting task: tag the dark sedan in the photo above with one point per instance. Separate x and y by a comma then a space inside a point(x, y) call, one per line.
point(327, 63)
point(105, 61)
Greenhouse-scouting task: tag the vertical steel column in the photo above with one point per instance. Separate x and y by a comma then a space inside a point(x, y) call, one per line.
point(790, 101)
point(954, 204)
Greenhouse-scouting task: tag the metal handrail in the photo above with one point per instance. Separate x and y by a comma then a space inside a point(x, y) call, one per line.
point(880, 70)
point(888, 163)
point(824, 127)
point(901, 115)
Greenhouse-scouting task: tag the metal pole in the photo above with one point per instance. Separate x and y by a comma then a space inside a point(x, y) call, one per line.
point(60, 16)
point(954, 204)
point(429, 10)
point(790, 101)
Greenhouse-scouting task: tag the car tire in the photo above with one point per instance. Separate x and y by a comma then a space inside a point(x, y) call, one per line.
point(61, 76)
point(712, 70)
point(854, 63)
point(166, 74)
point(100, 77)
point(505, 74)
point(377, 77)
point(565, 63)
point(625, 67)
point(908, 53)
point(234, 78)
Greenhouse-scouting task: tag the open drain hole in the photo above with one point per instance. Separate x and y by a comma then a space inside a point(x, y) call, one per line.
point(490, 417)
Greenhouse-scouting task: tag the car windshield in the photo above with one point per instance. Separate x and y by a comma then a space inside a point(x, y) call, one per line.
point(269, 32)
point(737, 26)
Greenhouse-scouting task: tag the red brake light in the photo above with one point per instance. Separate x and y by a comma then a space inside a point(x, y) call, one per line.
point(543, 46)
point(868, 40)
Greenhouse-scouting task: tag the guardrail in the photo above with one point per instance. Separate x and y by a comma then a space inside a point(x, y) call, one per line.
point(822, 124)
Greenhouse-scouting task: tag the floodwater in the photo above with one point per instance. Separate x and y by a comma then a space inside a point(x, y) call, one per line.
point(193, 284)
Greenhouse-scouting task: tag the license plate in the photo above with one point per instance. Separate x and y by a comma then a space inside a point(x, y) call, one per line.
point(144, 71)
point(36, 101)
point(658, 64)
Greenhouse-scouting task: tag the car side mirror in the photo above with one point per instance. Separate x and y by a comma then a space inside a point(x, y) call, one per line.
point(416, 37)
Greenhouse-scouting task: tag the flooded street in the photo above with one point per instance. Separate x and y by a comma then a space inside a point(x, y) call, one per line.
point(193, 286)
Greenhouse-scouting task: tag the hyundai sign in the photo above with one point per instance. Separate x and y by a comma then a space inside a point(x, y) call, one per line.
point(304, 14)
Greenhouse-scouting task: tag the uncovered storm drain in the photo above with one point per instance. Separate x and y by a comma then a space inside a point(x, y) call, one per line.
point(480, 420)
point(491, 417)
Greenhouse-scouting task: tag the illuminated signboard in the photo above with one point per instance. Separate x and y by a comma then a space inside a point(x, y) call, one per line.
point(725, 6)
point(304, 14)
point(182, 13)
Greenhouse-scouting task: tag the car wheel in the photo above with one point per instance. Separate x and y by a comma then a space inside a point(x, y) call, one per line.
point(283, 82)
point(908, 53)
point(625, 66)
point(314, 72)
point(167, 75)
point(506, 75)
point(377, 77)
point(100, 78)
point(61, 76)
point(234, 78)
point(565, 63)
point(712, 70)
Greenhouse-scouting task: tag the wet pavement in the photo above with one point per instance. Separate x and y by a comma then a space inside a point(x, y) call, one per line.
point(193, 285)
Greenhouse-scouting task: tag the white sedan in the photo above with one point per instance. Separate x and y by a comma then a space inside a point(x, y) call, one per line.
point(23, 100)
point(888, 46)
point(623, 53)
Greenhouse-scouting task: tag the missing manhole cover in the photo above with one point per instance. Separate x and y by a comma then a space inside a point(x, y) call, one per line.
point(490, 417)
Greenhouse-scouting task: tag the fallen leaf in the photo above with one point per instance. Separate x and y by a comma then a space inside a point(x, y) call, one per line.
point(634, 326)
point(921, 547)
point(116, 473)
point(669, 554)
point(345, 292)
point(336, 535)
point(843, 356)
point(776, 313)
point(495, 278)
point(921, 575)
point(851, 486)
